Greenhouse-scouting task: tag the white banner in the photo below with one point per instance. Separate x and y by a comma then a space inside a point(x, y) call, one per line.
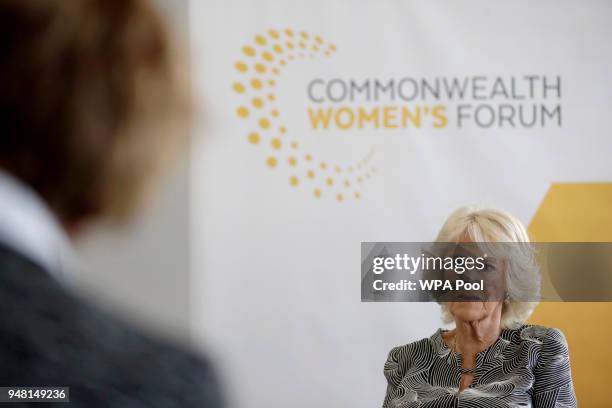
point(329, 123)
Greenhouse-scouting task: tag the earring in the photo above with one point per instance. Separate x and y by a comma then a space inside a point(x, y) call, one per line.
point(507, 298)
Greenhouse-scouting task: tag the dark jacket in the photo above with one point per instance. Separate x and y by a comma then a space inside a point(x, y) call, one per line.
point(51, 337)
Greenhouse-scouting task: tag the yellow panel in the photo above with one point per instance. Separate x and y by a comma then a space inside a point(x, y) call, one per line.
point(574, 212)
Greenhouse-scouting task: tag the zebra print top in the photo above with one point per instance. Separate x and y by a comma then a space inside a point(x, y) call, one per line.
point(525, 367)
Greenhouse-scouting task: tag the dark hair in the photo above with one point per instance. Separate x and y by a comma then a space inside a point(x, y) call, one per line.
point(86, 90)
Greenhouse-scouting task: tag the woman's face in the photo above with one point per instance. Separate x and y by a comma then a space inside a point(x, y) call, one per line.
point(474, 305)
point(473, 311)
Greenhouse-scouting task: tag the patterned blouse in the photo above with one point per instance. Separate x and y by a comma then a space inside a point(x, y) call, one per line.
point(525, 367)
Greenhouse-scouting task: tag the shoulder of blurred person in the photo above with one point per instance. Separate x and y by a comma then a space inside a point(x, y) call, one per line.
point(50, 336)
point(91, 96)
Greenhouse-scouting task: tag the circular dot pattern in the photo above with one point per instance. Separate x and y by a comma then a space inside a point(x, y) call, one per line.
point(258, 69)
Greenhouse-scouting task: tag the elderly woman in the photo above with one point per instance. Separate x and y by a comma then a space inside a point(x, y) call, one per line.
point(491, 358)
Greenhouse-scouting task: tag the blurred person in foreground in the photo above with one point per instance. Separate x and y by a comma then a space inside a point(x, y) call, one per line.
point(491, 358)
point(91, 92)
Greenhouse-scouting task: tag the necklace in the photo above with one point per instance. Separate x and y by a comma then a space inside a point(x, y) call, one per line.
point(468, 370)
point(471, 370)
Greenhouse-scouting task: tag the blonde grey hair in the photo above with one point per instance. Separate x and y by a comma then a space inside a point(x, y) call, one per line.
point(490, 225)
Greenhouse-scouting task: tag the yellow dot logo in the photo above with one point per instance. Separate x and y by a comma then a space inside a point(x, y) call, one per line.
point(260, 66)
